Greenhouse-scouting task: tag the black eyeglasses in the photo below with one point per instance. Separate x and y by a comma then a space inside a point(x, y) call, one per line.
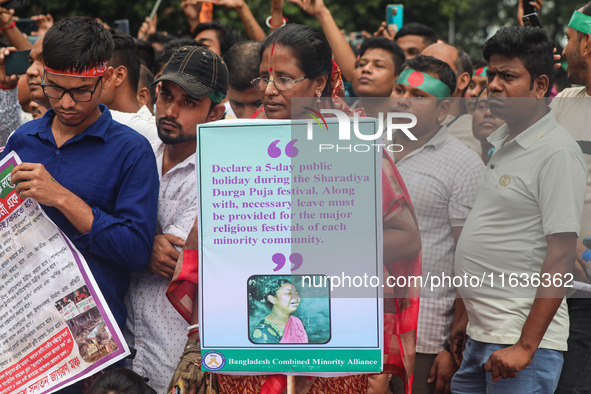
point(78, 95)
point(281, 83)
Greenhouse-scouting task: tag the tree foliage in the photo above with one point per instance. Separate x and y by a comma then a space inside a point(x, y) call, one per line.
point(471, 21)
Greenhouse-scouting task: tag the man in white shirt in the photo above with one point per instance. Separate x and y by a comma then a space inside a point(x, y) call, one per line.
point(189, 93)
point(572, 107)
point(519, 241)
point(120, 94)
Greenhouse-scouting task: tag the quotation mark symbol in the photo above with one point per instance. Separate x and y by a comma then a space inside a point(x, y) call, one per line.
point(290, 150)
point(295, 258)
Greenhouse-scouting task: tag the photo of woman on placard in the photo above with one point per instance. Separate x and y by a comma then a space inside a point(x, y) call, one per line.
point(279, 326)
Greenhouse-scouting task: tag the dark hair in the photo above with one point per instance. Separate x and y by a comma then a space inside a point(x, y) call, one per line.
point(417, 29)
point(120, 381)
point(146, 53)
point(476, 64)
point(272, 288)
point(464, 64)
point(226, 36)
point(242, 61)
point(309, 46)
point(77, 43)
point(125, 54)
point(387, 45)
point(146, 79)
point(429, 64)
point(529, 44)
point(159, 38)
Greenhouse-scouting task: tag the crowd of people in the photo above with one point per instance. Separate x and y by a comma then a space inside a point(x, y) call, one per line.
point(493, 184)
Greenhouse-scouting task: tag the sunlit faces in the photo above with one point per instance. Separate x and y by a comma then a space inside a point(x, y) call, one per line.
point(244, 102)
point(35, 73)
point(411, 45)
point(178, 114)
point(282, 63)
point(72, 113)
point(429, 110)
point(209, 39)
point(286, 299)
point(374, 74)
point(577, 66)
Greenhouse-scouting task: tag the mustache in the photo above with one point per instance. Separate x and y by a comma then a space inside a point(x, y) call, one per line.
point(169, 120)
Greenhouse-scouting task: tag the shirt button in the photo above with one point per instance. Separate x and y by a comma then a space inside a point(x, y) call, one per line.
point(139, 341)
point(141, 293)
point(57, 152)
point(492, 166)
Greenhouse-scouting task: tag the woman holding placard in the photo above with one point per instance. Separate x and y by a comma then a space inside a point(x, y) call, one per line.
point(296, 62)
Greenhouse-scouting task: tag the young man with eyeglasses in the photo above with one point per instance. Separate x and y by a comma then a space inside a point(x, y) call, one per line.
point(95, 178)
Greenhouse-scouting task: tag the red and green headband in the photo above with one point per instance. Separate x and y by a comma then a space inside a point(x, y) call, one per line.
point(480, 72)
point(580, 22)
point(88, 72)
point(423, 81)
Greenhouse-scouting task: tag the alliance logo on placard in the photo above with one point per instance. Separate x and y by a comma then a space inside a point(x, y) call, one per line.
point(213, 360)
point(346, 124)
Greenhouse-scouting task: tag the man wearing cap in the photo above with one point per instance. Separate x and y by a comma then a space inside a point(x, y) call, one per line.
point(441, 175)
point(520, 238)
point(572, 107)
point(189, 93)
point(95, 178)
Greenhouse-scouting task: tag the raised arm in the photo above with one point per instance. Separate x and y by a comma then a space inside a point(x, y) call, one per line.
point(253, 29)
point(343, 54)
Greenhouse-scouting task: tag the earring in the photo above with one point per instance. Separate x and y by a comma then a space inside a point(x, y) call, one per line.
point(318, 94)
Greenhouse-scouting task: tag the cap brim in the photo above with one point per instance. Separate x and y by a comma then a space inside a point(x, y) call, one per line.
point(195, 88)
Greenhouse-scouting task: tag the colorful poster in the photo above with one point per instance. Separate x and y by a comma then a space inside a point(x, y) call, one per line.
point(55, 325)
point(290, 250)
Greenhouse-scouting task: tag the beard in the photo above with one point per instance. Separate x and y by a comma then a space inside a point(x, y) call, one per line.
point(169, 139)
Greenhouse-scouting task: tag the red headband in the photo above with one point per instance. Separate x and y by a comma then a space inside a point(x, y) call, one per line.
point(96, 71)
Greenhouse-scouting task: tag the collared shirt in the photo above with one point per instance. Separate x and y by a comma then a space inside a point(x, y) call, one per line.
point(441, 178)
point(573, 112)
point(534, 186)
point(154, 328)
point(112, 168)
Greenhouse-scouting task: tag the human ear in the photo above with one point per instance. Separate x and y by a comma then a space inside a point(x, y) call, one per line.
point(143, 96)
point(272, 299)
point(463, 81)
point(541, 85)
point(320, 83)
point(216, 112)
